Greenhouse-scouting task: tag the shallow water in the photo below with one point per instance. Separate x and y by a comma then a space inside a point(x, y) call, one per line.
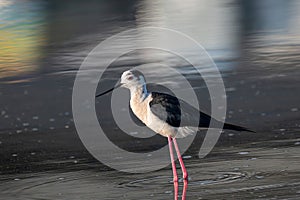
point(230, 172)
point(41, 155)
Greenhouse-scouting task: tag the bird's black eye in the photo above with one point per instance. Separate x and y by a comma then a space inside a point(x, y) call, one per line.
point(129, 78)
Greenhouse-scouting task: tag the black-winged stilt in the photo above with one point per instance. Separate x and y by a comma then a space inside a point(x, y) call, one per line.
point(163, 114)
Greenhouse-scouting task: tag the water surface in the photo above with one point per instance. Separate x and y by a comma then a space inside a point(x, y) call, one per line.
point(43, 44)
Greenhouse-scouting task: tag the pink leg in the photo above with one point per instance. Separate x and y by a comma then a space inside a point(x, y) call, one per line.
point(176, 190)
point(184, 172)
point(185, 185)
point(175, 177)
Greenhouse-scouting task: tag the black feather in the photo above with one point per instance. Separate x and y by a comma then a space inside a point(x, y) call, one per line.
point(236, 128)
point(166, 107)
point(177, 112)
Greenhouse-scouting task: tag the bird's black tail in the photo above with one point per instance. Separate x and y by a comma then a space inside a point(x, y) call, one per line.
point(236, 128)
point(205, 120)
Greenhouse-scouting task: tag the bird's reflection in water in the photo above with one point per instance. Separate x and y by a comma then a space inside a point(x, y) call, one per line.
point(184, 189)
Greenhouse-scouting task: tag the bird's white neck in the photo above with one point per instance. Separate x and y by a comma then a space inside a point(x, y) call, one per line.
point(139, 92)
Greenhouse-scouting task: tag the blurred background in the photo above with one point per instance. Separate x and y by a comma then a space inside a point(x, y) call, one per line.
point(255, 44)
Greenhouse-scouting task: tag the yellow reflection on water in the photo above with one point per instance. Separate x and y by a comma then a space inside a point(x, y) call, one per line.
point(21, 38)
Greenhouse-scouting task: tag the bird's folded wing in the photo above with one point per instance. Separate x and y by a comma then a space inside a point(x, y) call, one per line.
point(177, 112)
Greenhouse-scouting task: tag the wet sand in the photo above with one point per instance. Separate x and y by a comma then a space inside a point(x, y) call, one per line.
point(266, 169)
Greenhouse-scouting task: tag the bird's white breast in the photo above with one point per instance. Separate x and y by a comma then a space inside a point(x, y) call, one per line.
point(142, 110)
point(140, 107)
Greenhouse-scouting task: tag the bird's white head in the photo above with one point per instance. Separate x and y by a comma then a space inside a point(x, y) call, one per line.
point(132, 79)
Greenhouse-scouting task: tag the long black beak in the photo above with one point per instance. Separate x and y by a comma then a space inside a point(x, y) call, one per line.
point(103, 93)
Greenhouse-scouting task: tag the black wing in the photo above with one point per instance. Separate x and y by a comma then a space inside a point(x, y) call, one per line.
point(177, 112)
point(166, 108)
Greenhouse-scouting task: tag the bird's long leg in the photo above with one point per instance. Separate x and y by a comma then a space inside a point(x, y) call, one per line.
point(185, 185)
point(175, 177)
point(176, 190)
point(184, 172)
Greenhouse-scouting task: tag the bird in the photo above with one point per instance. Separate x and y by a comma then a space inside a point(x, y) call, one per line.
point(165, 114)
